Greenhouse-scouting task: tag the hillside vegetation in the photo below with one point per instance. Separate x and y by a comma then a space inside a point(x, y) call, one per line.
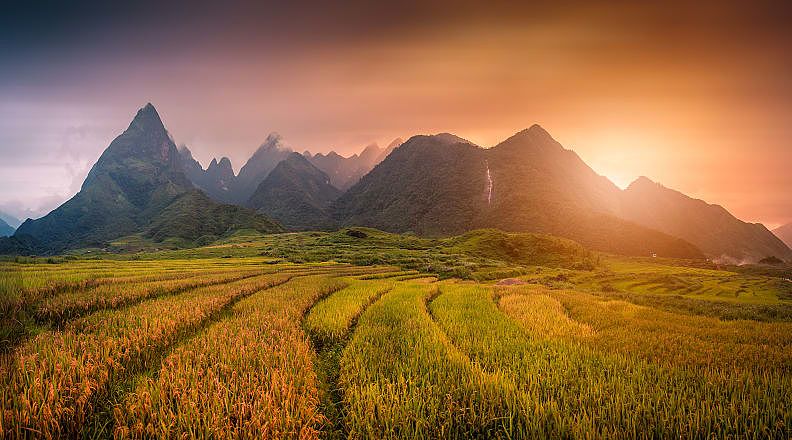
point(443, 185)
point(221, 342)
point(483, 254)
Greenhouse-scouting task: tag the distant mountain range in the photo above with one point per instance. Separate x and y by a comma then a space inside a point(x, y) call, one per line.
point(346, 171)
point(784, 233)
point(429, 185)
point(10, 219)
point(220, 183)
point(710, 227)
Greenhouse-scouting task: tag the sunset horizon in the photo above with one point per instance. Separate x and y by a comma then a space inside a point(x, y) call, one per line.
point(670, 92)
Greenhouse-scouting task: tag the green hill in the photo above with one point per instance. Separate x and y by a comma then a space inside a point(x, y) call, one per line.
point(194, 216)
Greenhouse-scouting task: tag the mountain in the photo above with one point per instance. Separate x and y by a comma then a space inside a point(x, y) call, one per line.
point(784, 233)
point(427, 186)
point(10, 219)
point(137, 178)
point(442, 185)
point(265, 159)
point(710, 227)
point(346, 171)
point(296, 194)
point(217, 181)
point(6, 230)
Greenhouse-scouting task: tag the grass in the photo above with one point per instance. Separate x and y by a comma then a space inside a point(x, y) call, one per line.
point(664, 338)
point(36, 295)
point(481, 255)
point(577, 384)
point(332, 335)
point(330, 320)
point(54, 378)
point(70, 305)
point(401, 378)
point(256, 365)
point(723, 294)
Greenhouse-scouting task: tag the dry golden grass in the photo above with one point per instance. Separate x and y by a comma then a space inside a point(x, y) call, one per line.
point(248, 376)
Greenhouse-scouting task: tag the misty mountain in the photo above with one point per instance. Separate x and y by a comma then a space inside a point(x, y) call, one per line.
point(297, 194)
point(217, 181)
point(268, 155)
point(784, 233)
point(346, 171)
point(385, 152)
point(6, 230)
point(137, 178)
point(10, 219)
point(710, 227)
point(442, 184)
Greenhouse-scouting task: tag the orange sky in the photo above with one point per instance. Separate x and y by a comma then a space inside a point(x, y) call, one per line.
point(695, 97)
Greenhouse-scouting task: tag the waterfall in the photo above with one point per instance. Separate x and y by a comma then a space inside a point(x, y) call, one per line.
point(489, 184)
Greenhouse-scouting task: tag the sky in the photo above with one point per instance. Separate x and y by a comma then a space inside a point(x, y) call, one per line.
point(694, 95)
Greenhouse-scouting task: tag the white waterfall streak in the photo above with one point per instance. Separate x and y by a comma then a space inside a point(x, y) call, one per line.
point(489, 184)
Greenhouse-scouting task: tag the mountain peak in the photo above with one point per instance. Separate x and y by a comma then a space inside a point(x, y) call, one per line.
point(370, 148)
point(533, 138)
point(449, 138)
point(274, 142)
point(296, 157)
point(274, 137)
point(642, 181)
point(147, 119)
point(535, 132)
point(225, 162)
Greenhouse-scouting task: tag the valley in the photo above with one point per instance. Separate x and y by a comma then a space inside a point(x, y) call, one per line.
point(360, 333)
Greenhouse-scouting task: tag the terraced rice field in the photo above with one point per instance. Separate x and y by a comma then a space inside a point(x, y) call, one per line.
point(252, 348)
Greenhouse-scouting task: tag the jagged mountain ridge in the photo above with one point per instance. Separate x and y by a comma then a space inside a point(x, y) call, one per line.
point(216, 181)
point(223, 186)
point(530, 182)
point(346, 171)
point(135, 179)
point(431, 185)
